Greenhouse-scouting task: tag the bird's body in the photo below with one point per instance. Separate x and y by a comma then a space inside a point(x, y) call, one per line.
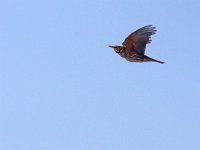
point(133, 47)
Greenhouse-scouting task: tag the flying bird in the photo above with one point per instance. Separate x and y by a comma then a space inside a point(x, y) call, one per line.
point(133, 48)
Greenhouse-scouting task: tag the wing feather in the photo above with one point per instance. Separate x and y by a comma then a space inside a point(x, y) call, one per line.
point(136, 41)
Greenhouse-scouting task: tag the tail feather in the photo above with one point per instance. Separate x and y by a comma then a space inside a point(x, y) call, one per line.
point(154, 60)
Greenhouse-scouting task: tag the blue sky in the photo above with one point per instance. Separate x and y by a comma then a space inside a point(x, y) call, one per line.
point(63, 88)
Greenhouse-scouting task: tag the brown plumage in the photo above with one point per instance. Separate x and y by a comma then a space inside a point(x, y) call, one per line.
point(133, 48)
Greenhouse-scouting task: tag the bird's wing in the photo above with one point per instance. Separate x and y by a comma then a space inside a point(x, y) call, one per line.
point(136, 41)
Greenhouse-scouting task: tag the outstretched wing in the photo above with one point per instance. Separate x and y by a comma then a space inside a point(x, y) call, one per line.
point(136, 41)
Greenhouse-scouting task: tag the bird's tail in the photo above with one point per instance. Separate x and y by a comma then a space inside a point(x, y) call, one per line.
point(154, 60)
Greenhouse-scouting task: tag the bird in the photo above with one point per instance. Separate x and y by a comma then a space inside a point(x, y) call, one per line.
point(133, 47)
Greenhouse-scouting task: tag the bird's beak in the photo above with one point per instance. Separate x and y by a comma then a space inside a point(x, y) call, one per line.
point(110, 46)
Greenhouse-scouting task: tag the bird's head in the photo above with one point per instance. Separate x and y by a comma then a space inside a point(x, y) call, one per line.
point(117, 49)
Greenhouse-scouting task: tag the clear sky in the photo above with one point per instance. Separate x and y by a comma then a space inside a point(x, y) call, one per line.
point(63, 88)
